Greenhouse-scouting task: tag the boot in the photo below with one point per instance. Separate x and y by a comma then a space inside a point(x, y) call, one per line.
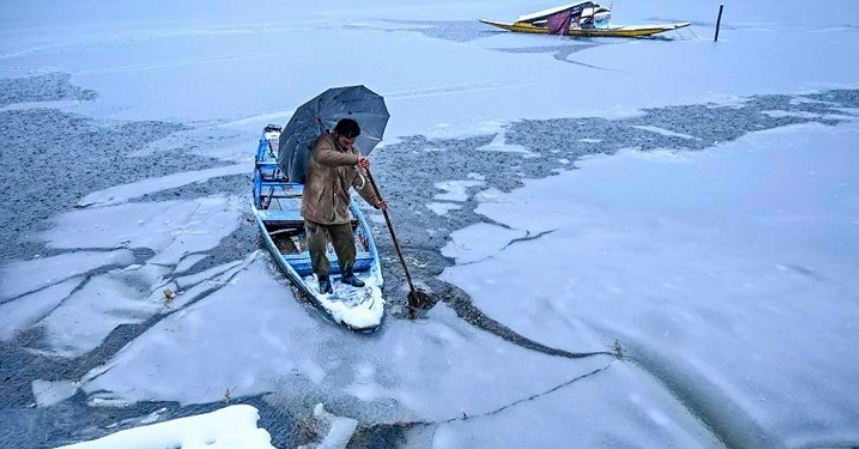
point(324, 284)
point(348, 277)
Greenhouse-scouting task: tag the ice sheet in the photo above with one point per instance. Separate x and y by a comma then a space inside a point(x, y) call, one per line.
point(170, 228)
point(29, 309)
point(478, 242)
point(76, 323)
point(252, 336)
point(84, 319)
point(21, 277)
point(590, 412)
point(734, 267)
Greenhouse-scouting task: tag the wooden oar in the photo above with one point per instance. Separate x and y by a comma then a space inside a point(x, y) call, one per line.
point(417, 298)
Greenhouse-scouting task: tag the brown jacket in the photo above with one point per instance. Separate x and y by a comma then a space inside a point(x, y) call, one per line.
point(330, 173)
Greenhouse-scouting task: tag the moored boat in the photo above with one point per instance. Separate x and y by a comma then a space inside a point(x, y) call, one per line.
point(581, 19)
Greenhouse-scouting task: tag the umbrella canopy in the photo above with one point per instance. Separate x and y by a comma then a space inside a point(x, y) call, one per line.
point(322, 113)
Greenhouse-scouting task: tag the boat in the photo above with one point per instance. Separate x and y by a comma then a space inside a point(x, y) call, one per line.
point(581, 19)
point(276, 206)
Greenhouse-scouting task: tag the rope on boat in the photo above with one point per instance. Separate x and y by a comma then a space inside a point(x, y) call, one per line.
point(363, 181)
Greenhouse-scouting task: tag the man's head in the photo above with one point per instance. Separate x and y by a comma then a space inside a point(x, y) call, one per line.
point(346, 131)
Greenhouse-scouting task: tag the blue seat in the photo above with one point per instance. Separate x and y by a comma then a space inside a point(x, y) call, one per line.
point(301, 263)
point(281, 216)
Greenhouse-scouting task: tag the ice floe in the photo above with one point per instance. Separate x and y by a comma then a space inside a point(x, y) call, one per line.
point(455, 190)
point(442, 208)
point(48, 393)
point(21, 277)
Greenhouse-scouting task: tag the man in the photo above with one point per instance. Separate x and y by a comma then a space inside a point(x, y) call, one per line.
point(334, 166)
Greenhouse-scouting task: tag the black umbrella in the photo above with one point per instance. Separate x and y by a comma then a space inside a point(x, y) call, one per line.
point(322, 113)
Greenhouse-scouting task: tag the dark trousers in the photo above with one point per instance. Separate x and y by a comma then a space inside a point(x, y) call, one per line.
point(341, 238)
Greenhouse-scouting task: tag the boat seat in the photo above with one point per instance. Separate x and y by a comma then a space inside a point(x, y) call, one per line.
point(301, 263)
point(281, 216)
point(288, 217)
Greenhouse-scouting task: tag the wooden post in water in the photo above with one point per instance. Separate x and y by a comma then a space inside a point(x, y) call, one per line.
point(718, 23)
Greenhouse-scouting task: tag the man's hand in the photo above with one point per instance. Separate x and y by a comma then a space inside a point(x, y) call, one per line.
point(381, 205)
point(364, 162)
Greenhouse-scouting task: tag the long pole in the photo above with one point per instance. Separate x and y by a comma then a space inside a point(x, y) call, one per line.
point(413, 297)
point(718, 23)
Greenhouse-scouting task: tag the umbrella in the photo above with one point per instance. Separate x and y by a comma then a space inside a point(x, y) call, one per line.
point(322, 113)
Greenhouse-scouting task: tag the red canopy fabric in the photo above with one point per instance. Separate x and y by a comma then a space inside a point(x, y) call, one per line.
point(559, 23)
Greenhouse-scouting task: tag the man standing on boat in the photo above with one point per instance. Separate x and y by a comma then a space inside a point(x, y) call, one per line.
point(333, 167)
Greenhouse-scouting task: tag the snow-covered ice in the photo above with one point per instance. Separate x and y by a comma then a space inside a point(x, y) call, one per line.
point(478, 242)
point(734, 267)
point(500, 145)
point(273, 341)
point(590, 412)
point(29, 309)
point(442, 208)
point(456, 190)
point(22, 277)
point(49, 393)
point(81, 296)
point(728, 276)
point(87, 317)
point(233, 427)
point(170, 228)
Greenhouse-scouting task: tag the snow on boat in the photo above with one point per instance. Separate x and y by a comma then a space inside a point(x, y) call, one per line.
point(581, 19)
point(276, 206)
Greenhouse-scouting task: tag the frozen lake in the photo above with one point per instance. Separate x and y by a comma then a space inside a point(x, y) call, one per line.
point(633, 243)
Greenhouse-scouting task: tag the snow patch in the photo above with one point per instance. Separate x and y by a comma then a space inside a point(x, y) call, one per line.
point(665, 132)
point(499, 145)
point(48, 393)
point(27, 276)
point(455, 190)
point(233, 427)
point(440, 208)
point(478, 241)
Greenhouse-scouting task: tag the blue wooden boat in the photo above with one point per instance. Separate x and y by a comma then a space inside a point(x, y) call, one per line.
point(276, 206)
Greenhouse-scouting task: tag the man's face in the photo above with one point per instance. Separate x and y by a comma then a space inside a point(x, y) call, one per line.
point(345, 142)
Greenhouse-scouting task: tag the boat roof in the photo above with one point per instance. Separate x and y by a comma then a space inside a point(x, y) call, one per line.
point(548, 12)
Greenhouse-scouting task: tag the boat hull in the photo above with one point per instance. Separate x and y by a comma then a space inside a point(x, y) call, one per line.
point(626, 31)
point(370, 312)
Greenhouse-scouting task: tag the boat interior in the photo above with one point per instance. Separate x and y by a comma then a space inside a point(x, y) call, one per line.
point(278, 204)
